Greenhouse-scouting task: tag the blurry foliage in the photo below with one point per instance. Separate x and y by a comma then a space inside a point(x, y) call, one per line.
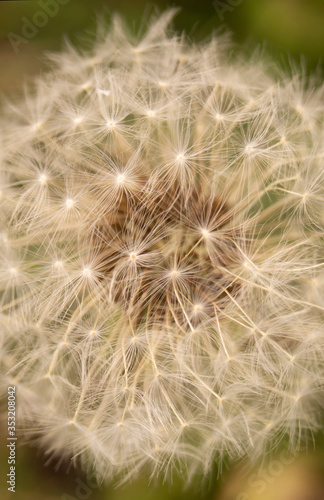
point(285, 28)
point(40, 477)
point(296, 479)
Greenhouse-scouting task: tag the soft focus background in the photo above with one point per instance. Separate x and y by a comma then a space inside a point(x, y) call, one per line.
point(286, 30)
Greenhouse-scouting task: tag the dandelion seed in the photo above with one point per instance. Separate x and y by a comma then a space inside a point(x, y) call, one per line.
point(104, 92)
point(78, 119)
point(69, 203)
point(43, 179)
point(36, 126)
point(86, 85)
point(86, 272)
point(111, 124)
point(205, 233)
point(121, 178)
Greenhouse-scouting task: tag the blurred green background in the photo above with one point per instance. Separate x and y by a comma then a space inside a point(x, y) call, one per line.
point(285, 29)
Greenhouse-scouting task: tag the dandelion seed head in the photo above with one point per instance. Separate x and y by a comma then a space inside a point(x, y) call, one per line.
point(161, 278)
